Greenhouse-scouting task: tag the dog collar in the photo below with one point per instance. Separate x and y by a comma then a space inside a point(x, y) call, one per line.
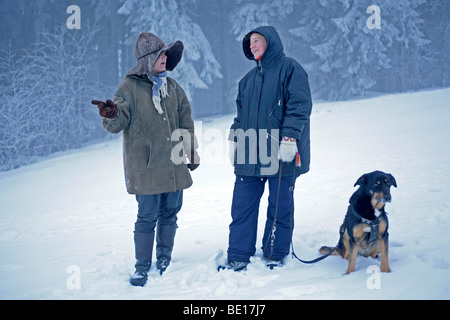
point(373, 224)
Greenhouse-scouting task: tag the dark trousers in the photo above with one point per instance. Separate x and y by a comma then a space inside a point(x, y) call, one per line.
point(244, 212)
point(156, 212)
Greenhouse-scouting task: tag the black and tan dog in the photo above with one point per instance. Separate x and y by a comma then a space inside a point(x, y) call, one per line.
point(365, 227)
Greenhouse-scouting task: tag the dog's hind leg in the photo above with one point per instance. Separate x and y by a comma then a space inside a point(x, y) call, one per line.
point(374, 252)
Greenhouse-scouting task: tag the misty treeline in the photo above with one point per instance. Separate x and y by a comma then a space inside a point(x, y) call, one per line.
point(50, 73)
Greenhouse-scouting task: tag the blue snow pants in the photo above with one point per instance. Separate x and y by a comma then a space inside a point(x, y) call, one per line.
point(244, 212)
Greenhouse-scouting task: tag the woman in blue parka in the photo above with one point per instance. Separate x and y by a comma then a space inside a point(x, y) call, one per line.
point(270, 142)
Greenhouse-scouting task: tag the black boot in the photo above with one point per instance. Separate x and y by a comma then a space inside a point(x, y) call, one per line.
point(272, 264)
point(165, 238)
point(162, 263)
point(234, 265)
point(143, 244)
point(139, 278)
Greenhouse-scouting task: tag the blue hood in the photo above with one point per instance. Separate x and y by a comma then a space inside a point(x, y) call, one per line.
point(274, 50)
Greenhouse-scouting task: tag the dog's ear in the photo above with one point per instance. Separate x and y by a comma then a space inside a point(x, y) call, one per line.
point(361, 181)
point(393, 182)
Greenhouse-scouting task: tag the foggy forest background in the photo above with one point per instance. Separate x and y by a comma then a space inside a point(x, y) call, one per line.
point(50, 73)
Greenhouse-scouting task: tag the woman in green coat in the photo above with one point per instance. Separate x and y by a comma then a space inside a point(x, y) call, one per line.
point(159, 147)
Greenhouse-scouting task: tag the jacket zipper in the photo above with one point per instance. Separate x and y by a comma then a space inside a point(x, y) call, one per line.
point(271, 113)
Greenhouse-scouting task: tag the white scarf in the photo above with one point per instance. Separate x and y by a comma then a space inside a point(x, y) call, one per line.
point(159, 89)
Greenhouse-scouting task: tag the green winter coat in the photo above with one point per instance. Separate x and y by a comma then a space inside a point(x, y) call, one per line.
point(151, 142)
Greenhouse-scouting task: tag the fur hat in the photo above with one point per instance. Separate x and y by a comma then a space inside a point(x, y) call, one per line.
point(148, 49)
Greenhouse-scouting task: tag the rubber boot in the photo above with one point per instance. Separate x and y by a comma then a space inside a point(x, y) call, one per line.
point(143, 244)
point(165, 238)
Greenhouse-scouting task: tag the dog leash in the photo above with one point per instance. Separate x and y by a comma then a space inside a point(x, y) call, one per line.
point(274, 227)
point(292, 229)
point(272, 237)
point(315, 260)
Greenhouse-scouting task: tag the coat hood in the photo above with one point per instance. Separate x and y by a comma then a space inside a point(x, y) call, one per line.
point(148, 49)
point(274, 50)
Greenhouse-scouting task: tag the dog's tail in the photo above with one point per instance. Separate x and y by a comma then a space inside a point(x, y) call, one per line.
point(327, 250)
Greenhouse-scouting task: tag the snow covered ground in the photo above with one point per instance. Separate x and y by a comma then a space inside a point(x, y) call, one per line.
point(66, 227)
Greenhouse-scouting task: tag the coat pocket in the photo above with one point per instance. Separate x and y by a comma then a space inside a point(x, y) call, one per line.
point(138, 158)
point(148, 153)
point(275, 117)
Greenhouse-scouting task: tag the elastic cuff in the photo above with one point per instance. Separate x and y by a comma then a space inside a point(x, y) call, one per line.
point(288, 139)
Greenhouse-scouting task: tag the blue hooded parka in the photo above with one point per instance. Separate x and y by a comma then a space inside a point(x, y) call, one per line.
point(273, 95)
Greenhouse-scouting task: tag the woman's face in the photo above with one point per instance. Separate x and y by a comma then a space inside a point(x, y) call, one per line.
point(160, 64)
point(258, 45)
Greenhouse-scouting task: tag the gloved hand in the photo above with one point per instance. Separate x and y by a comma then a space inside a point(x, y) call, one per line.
point(288, 149)
point(194, 161)
point(106, 109)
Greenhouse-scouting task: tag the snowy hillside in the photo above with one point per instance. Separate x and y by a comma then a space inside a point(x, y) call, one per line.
point(66, 227)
